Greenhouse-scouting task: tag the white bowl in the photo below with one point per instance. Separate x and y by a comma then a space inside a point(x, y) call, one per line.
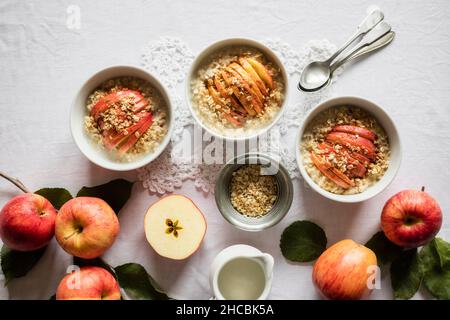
point(229, 43)
point(90, 149)
point(394, 141)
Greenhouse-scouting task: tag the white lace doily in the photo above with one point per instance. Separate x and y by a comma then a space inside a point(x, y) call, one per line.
point(169, 59)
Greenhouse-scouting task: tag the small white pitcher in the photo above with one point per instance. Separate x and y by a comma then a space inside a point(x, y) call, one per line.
point(242, 255)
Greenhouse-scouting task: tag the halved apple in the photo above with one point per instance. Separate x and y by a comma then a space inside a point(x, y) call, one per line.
point(174, 227)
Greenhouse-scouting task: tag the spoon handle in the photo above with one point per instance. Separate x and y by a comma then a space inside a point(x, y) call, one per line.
point(380, 37)
point(373, 19)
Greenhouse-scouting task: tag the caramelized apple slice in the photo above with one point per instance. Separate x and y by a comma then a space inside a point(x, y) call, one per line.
point(331, 172)
point(362, 132)
point(262, 72)
point(239, 95)
point(226, 96)
point(249, 93)
point(215, 95)
point(352, 141)
point(244, 74)
point(254, 75)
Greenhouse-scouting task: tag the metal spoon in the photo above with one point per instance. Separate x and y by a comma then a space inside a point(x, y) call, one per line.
point(362, 50)
point(316, 74)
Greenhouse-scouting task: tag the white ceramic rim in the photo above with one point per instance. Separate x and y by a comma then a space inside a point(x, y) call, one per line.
point(141, 161)
point(236, 42)
point(388, 124)
point(215, 276)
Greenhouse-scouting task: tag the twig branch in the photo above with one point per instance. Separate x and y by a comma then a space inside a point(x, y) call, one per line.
point(16, 182)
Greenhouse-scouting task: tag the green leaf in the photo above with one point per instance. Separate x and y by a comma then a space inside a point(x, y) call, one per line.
point(116, 193)
point(384, 249)
point(405, 274)
point(443, 250)
point(56, 196)
point(435, 279)
point(16, 264)
point(303, 241)
point(53, 297)
point(97, 262)
point(138, 284)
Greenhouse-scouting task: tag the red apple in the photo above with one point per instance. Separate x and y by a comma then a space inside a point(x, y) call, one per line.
point(89, 283)
point(411, 218)
point(86, 227)
point(27, 222)
point(343, 271)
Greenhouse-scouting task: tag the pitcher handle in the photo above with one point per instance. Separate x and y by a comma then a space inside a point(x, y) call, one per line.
point(268, 262)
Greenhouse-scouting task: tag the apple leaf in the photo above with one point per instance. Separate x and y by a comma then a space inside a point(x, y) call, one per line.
point(405, 274)
point(116, 193)
point(435, 279)
point(303, 241)
point(443, 250)
point(137, 283)
point(97, 262)
point(16, 264)
point(56, 196)
point(384, 249)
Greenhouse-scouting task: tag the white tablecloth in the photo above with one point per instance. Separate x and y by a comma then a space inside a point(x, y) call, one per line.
point(43, 63)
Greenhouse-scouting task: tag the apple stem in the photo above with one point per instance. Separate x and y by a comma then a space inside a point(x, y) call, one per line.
point(423, 188)
point(16, 182)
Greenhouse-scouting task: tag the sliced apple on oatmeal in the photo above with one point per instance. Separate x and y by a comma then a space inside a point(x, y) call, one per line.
point(262, 72)
point(134, 137)
point(112, 138)
point(249, 94)
point(232, 83)
point(244, 74)
point(174, 227)
point(108, 100)
point(248, 67)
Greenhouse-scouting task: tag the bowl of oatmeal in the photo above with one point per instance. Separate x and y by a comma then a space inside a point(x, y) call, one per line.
point(348, 149)
point(255, 191)
point(121, 118)
point(237, 89)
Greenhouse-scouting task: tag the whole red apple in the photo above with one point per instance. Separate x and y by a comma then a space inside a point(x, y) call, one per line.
point(343, 271)
point(411, 218)
point(86, 227)
point(27, 222)
point(89, 283)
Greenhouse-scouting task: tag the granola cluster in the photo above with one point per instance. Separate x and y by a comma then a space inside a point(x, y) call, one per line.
point(251, 193)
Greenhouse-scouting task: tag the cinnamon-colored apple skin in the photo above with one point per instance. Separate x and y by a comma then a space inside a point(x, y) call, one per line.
point(411, 218)
point(27, 222)
point(89, 283)
point(342, 271)
point(86, 227)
